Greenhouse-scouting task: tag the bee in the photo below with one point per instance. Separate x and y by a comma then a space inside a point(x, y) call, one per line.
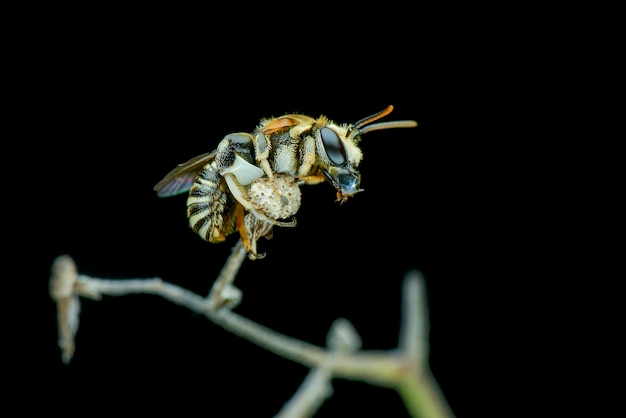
point(251, 181)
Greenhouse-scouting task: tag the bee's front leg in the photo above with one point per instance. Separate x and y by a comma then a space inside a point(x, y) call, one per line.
point(306, 175)
point(312, 179)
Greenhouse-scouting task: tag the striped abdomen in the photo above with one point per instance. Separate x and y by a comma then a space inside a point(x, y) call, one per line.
point(209, 207)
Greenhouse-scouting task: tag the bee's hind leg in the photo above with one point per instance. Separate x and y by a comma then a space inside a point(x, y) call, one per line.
point(233, 161)
point(250, 232)
point(239, 195)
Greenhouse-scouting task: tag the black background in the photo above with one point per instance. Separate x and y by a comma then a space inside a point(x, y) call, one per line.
point(117, 110)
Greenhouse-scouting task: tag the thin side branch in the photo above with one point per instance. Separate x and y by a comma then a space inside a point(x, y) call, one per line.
point(223, 293)
point(414, 330)
point(419, 389)
point(315, 389)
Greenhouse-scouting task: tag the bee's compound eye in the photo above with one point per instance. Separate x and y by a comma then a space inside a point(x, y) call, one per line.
point(333, 146)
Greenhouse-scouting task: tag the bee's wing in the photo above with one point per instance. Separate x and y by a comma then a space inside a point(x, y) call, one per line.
point(180, 179)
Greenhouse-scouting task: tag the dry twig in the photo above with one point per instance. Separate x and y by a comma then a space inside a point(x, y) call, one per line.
point(404, 369)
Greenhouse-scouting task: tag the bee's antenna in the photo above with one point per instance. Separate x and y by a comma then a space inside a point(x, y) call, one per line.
point(389, 125)
point(361, 128)
point(374, 117)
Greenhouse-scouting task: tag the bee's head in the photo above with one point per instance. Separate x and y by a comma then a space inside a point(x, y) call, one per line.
point(340, 154)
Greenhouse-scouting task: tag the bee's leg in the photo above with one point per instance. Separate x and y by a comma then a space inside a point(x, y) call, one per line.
point(307, 156)
point(250, 244)
point(262, 150)
point(239, 195)
point(256, 228)
point(234, 162)
point(312, 179)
